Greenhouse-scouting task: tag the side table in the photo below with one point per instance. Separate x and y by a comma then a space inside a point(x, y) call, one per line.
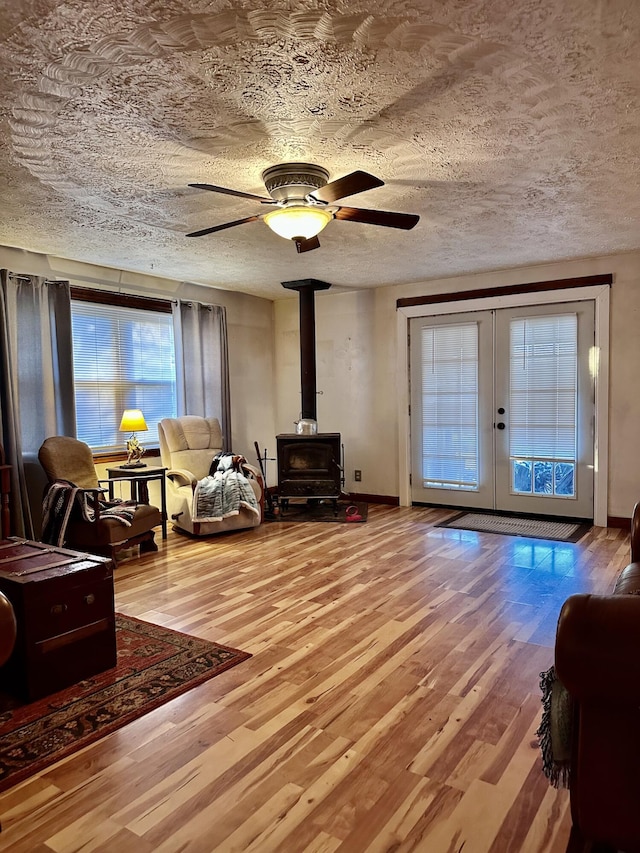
point(139, 479)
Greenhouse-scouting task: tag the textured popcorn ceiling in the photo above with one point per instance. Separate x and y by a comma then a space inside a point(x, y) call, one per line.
point(511, 126)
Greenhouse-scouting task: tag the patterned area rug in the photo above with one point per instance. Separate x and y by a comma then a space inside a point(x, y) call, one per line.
point(350, 512)
point(155, 664)
point(534, 528)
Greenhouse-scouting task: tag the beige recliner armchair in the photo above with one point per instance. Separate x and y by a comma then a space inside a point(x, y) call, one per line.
point(188, 445)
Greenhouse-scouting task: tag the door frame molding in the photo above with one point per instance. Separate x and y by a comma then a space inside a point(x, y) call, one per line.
point(599, 294)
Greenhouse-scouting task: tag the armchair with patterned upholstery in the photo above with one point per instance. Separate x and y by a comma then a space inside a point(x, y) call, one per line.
point(188, 445)
point(68, 460)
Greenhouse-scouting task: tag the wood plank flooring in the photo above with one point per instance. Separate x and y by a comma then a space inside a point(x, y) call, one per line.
point(390, 703)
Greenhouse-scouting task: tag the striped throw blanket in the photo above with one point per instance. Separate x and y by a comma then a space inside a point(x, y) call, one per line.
point(224, 492)
point(64, 500)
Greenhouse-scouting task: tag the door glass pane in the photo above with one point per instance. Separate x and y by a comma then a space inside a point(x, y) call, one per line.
point(542, 478)
point(522, 475)
point(564, 479)
point(543, 397)
point(450, 406)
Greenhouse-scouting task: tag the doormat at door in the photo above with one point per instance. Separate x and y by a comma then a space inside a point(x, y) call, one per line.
point(511, 525)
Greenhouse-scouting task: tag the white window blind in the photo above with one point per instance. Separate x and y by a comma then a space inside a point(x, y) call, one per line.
point(123, 358)
point(450, 406)
point(544, 388)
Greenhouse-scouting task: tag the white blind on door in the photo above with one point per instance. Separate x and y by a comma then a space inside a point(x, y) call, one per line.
point(544, 387)
point(450, 406)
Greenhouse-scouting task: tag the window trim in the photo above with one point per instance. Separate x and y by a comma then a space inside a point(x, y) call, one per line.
point(121, 300)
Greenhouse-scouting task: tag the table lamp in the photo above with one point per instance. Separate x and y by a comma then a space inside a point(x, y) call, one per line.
point(133, 421)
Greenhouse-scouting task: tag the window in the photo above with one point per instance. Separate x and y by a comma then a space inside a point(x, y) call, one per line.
point(123, 358)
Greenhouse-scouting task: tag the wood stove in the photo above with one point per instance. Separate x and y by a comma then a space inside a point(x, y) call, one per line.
point(309, 466)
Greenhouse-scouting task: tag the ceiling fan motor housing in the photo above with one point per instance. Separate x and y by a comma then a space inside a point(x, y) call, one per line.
point(293, 181)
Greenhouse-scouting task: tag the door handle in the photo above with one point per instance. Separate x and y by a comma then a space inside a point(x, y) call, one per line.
point(500, 425)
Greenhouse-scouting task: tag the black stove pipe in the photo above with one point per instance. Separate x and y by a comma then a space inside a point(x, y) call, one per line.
point(306, 288)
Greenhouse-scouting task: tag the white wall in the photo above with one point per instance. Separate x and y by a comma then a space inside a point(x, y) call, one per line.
point(356, 357)
point(352, 354)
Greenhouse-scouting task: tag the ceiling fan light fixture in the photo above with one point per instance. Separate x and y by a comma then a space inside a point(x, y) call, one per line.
point(298, 221)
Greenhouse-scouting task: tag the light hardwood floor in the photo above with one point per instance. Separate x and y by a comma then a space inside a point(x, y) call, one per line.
point(390, 703)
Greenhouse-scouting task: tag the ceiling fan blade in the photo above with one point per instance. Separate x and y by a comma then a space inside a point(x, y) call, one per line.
point(212, 188)
point(222, 227)
point(386, 218)
point(354, 182)
point(307, 245)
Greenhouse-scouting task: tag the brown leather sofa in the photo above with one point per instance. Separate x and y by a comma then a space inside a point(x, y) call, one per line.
point(597, 659)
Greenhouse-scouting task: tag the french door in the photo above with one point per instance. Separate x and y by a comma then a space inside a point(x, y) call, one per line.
point(502, 409)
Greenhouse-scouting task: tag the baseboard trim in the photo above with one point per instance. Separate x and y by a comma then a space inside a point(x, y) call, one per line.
point(390, 500)
point(393, 500)
point(619, 521)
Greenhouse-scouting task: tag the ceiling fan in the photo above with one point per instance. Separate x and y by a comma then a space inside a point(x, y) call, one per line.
point(304, 203)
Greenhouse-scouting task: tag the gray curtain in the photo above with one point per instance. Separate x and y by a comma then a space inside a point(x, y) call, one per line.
point(36, 398)
point(202, 363)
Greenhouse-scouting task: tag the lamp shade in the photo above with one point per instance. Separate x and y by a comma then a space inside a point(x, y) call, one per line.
point(298, 221)
point(133, 421)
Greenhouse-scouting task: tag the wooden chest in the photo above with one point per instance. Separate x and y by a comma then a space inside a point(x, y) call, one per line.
point(64, 607)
